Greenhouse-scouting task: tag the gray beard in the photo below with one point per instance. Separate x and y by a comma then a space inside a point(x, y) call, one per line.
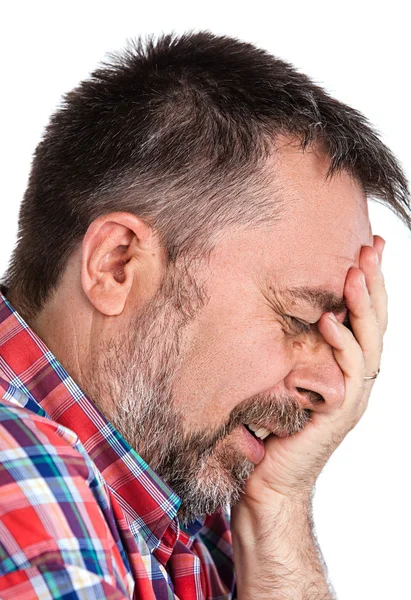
point(135, 371)
point(206, 476)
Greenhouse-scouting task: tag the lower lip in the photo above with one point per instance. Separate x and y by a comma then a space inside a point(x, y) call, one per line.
point(255, 449)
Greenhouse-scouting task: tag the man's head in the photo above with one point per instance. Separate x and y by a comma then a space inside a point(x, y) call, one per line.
point(187, 205)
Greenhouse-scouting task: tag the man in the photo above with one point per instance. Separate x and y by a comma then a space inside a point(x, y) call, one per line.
point(192, 319)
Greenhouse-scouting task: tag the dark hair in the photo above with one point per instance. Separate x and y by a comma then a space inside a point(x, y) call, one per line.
point(177, 131)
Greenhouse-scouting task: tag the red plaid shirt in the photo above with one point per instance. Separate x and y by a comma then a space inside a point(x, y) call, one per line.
point(81, 514)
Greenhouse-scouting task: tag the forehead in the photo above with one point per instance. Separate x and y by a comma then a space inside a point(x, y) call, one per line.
point(321, 214)
point(322, 225)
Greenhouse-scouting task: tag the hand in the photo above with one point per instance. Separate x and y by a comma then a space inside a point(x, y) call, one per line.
point(292, 464)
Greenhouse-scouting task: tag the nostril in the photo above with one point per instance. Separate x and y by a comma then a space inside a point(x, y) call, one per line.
point(313, 397)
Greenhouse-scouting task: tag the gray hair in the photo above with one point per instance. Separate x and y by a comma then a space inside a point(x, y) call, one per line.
point(177, 131)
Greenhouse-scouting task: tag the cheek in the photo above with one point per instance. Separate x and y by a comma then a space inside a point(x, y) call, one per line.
point(230, 368)
point(257, 362)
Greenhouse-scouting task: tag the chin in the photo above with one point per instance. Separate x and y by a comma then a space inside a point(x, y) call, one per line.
point(219, 483)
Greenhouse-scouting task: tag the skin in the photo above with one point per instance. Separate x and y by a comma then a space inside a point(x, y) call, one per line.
point(241, 346)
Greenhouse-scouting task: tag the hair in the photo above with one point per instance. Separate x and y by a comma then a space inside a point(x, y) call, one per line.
point(177, 131)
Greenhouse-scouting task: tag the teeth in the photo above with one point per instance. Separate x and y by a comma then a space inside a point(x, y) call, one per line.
point(260, 432)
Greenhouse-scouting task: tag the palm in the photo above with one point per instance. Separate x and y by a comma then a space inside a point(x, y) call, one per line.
point(292, 464)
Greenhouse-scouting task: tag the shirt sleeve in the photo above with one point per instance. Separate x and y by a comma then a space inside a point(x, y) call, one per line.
point(54, 540)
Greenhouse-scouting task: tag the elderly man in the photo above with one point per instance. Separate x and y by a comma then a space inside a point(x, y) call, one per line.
point(192, 320)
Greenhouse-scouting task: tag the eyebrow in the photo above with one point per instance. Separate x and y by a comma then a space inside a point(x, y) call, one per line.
point(319, 297)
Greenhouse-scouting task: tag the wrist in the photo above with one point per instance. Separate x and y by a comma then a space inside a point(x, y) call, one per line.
point(283, 528)
point(271, 509)
point(275, 550)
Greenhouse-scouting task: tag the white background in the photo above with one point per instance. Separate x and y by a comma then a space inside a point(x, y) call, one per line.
point(361, 53)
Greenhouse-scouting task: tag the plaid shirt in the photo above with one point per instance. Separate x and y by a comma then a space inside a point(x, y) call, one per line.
point(81, 514)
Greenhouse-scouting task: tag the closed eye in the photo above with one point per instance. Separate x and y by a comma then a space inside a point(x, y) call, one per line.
point(299, 326)
point(304, 327)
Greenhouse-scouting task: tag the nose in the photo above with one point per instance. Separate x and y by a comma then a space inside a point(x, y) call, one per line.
point(315, 380)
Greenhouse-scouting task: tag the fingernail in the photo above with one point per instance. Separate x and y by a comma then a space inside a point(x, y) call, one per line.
point(376, 258)
point(332, 317)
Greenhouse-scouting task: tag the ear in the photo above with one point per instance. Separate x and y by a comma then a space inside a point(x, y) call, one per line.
point(119, 253)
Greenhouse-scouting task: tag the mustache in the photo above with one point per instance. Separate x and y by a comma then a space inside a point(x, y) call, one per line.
point(282, 411)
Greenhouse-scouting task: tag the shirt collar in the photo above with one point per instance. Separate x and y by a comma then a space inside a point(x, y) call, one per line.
point(148, 503)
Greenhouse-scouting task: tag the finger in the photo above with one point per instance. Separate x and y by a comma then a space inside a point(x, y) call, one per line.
point(347, 350)
point(370, 266)
point(363, 319)
point(348, 355)
point(379, 245)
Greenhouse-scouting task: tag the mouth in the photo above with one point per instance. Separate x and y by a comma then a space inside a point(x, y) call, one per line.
point(253, 445)
point(261, 432)
point(253, 440)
